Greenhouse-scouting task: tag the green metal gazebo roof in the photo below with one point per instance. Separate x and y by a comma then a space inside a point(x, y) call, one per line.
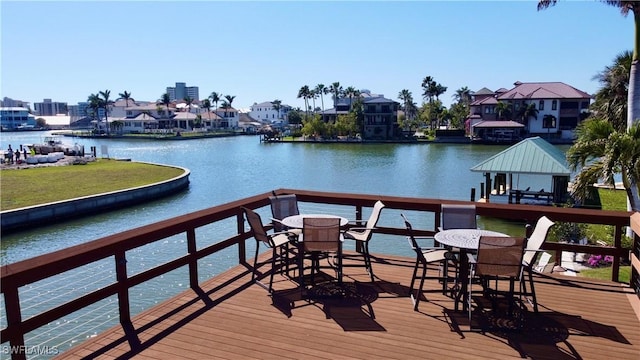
point(530, 156)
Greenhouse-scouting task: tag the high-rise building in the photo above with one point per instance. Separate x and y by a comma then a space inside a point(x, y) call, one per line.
point(181, 90)
point(50, 108)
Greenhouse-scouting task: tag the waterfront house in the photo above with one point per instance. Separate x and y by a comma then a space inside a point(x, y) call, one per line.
point(266, 111)
point(380, 115)
point(559, 107)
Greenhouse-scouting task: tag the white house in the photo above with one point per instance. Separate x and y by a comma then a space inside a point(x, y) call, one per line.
point(265, 111)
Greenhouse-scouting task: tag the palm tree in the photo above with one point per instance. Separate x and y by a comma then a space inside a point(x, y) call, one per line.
point(106, 103)
point(600, 152)
point(407, 99)
point(230, 99)
point(463, 95)
point(305, 93)
point(321, 90)
point(351, 92)
point(215, 98)
point(166, 100)
point(206, 104)
point(503, 110)
point(611, 99)
point(633, 97)
point(95, 103)
point(527, 111)
point(277, 105)
point(336, 90)
point(126, 96)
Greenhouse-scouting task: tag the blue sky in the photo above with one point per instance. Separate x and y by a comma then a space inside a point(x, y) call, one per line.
point(266, 50)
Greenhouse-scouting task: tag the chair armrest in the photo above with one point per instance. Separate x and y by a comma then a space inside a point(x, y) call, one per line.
point(276, 220)
point(288, 233)
point(360, 228)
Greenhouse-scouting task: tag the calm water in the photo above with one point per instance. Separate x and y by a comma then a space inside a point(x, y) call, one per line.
point(223, 170)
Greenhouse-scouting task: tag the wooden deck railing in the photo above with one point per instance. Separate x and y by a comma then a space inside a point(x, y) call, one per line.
point(16, 275)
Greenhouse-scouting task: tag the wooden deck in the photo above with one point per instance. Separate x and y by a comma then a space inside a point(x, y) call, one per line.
point(233, 318)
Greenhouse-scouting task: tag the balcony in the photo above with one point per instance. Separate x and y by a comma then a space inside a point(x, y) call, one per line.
point(228, 316)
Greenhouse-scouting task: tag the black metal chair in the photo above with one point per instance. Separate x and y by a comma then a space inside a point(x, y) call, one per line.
point(424, 257)
point(278, 242)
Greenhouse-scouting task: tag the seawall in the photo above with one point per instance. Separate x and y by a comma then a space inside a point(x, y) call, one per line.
point(45, 214)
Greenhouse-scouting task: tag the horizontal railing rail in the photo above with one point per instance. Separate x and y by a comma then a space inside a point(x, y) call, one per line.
point(16, 275)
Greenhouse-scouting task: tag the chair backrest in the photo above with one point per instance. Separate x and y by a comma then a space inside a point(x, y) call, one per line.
point(321, 234)
point(537, 238)
point(373, 218)
point(255, 222)
point(458, 216)
point(281, 207)
point(410, 237)
point(500, 256)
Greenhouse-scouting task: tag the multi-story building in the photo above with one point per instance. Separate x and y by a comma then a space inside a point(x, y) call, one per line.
point(9, 102)
point(559, 107)
point(16, 118)
point(181, 90)
point(265, 111)
point(50, 108)
point(380, 115)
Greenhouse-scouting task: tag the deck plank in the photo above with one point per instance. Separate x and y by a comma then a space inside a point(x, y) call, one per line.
point(579, 318)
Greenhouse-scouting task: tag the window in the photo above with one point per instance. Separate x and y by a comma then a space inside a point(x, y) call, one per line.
point(554, 105)
point(541, 105)
point(487, 110)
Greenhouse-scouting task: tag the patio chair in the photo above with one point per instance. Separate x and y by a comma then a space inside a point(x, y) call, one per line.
point(362, 235)
point(320, 236)
point(424, 257)
point(498, 259)
point(281, 207)
point(456, 216)
point(278, 242)
point(534, 244)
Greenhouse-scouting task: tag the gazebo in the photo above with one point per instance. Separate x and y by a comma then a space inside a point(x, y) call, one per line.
point(532, 156)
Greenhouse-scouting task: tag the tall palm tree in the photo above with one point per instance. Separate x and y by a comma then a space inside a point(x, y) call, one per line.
point(206, 104)
point(305, 93)
point(106, 103)
point(277, 105)
point(633, 98)
point(407, 100)
point(336, 90)
point(126, 96)
point(95, 103)
point(611, 100)
point(321, 90)
point(215, 98)
point(351, 92)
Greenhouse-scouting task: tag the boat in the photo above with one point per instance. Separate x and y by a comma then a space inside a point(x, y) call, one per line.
point(54, 144)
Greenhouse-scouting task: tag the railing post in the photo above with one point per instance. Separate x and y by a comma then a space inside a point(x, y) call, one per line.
point(123, 288)
point(242, 246)
point(14, 321)
point(193, 261)
point(617, 243)
point(359, 247)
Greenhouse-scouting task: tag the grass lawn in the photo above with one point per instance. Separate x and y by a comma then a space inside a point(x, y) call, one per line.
point(610, 200)
point(28, 187)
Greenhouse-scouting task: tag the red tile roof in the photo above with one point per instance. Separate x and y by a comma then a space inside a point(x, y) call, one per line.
point(544, 90)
